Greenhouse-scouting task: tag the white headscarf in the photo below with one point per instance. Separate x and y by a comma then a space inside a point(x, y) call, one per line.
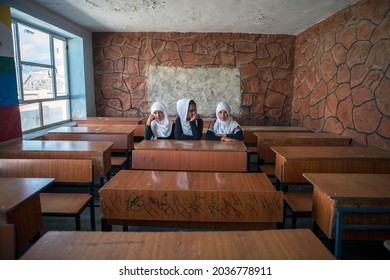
point(162, 128)
point(182, 111)
point(224, 127)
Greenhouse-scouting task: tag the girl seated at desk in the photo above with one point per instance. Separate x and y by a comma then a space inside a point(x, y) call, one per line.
point(189, 125)
point(224, 128)
point(158, 125)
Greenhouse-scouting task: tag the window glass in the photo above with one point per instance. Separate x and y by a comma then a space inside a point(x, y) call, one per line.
point(41, 64)
point(37, 82)
point(30, 116)
point(55, 111)
point(34, 45)
point(60, 66)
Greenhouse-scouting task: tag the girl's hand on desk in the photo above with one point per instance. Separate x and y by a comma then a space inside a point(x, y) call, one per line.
point(227, 139)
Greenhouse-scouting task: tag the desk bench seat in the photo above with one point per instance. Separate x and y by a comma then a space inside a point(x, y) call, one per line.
point(65, 204)
point(78, 171)
point(300, 204)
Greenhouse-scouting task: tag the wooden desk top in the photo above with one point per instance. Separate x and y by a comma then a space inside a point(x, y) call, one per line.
point(14, 191)
point(298, 244)
point(346, 185)
point(295, 135)
point(60, 146)
point(113, 120)
point(274, 128)
point(95, 130)
point(192, 181)
point(191, 145)
point(327, 152)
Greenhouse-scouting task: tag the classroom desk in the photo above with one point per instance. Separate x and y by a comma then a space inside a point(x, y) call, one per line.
point(335, 192)
point(249, 131)
point(190, 155)
point(114, 121)
point(122, 137)
point(20, 205)
point(110, 120)
point(292, 162)
point(98, 151)
point(267, 140)
point(289, 244)
point(226, 200)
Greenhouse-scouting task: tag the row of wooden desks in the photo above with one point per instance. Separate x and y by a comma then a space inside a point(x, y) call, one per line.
point(298, 244)
point(121, 137)
point(218, 200)
point(98, 151)
point(138, 123)
point(292, 162)
point(20, 205)
point(351, 206)
point(117, 122)
point(199, 155)
point(266, 140)
point(251, 139)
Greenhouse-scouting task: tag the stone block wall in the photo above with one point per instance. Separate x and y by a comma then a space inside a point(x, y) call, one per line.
point(342, 74)
point(265, 63)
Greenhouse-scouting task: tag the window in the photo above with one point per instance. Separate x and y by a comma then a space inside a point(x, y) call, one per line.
point(42, 77)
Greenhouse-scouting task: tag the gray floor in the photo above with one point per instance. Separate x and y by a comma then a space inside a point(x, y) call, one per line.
point(351, 250)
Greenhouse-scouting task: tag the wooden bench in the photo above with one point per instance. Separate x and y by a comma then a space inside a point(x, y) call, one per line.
point(78, 171)
point(117, 163)
point(299, 203)
point(268, 169)
point(251, 150)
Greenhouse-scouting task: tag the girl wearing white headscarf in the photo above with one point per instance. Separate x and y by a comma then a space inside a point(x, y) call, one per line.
point(224, 128)
point(158, 125)
point(188, 125)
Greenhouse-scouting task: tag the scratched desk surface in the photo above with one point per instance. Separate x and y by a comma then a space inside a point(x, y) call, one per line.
point(191, 145)
point(191, 196)
point(297, 244)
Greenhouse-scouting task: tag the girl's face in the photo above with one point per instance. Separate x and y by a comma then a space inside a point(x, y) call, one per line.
point(158, 115)
point(191, 111)
point(223, 115)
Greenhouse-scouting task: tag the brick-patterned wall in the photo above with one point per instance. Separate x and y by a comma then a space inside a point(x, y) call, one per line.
point(265, 63)
point(342, 74)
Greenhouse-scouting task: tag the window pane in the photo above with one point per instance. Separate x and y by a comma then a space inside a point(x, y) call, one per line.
point(55, 111)
point(37, 82)
point(34, 45)
point(30, 116)
point(60, 66)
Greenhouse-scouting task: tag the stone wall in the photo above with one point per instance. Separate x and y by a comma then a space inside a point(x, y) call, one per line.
point(265, 63)
point(342, 74)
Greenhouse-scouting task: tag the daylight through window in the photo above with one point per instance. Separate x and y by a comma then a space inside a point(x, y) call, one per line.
point(41, 66)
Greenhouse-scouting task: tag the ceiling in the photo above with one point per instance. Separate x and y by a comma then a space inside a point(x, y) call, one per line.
point(237, 16)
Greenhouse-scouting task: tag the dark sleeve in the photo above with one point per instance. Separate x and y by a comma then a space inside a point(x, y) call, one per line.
point(239, 135)
point(179, 131)
point(148, 134)
point(172, 136)
point(210, 135)
point(197, 130)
